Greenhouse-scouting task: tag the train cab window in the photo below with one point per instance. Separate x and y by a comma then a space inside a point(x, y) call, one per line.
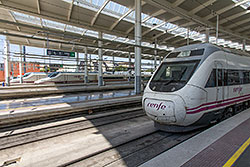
point(233, 77)
point(246, 77)
point(172, 76)
point(212, 80)
point(53, 74)
point(26, 75)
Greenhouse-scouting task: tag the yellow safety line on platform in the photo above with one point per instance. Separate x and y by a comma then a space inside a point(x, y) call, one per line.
point(237, 154)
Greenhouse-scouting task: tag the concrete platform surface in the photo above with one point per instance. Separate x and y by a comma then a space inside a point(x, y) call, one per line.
point(8, 116)
point(66, 98)
point(213, 147)
point(32, 85)
point(18, 93)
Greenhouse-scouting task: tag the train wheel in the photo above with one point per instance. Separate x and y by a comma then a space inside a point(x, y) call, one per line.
point(228, 113)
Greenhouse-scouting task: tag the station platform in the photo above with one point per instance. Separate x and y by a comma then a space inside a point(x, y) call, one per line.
point(225, 144)
point(68, 98)
point(41, 91)
point(32, 85)
point(20, 110)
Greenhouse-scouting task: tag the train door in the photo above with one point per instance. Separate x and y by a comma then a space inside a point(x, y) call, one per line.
point(220, 81)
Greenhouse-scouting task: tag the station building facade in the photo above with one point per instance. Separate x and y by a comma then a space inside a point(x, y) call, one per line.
point(14, 69)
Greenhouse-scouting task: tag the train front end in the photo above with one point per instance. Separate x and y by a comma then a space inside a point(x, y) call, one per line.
point(164, 99)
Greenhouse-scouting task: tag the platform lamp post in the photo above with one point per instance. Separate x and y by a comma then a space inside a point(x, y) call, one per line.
point(244, 45)
point(129, 66)
point(77, 61)
point(207, 35)
point(21, 65)
point(188, 31)
point(86, 65)
point(155, 54)
point(138, 48)
point(217, 29)
point(24, 59)
point(6, 64)
point(113, 70)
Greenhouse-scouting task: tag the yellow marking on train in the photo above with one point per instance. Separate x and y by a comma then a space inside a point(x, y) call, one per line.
point(237, 154)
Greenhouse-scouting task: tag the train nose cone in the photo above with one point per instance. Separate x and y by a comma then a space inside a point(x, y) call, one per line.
point(165, 111)
point(159, 110)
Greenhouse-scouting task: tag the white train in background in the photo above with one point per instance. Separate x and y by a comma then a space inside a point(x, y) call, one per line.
point(30, 77)
point(197, 85)
point(72, 77)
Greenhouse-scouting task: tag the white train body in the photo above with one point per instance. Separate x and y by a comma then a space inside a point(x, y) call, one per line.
point(197, 85)
point(30, 77)
point(72, 77)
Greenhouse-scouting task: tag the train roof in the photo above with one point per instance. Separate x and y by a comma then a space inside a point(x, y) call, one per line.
point(197, 46)
point(210, 47)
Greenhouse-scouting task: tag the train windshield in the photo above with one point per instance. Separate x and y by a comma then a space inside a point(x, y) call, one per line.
point(26, 75)
point(173, 76)
point(53, 74)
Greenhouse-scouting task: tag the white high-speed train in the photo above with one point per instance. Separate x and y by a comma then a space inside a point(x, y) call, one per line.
point(30, 77)
point(71, 77)
point(197, 85)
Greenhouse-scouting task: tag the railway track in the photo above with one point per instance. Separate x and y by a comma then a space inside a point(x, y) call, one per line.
point(121, 137)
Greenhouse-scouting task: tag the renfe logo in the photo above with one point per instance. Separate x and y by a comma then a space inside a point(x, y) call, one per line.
point(157, 106)
point(237, 89)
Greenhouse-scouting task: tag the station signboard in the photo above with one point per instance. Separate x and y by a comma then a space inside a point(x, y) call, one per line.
point(60, 53)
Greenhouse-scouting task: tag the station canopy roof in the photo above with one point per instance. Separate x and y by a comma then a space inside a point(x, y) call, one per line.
point(71, 25)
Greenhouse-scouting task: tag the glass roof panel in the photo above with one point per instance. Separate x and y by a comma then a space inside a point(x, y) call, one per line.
point(244, 5)
point(75, 29)
point(53, 24)
point(116, 10)
point(26, 18)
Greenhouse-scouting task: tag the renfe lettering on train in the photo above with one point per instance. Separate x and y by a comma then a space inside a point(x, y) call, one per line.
point(157, 106)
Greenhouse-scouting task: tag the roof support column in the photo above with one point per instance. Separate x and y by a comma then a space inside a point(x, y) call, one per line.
point(244, 45)
point(7, 63)
point(86, 65)
point(129, 67)
point(100, 74)
point(137, 48)
point(24, 59)
point(90, 61)
point(113, 63)
point(21, 65)
point(207, 35)
point(155, 52)
point(77, 61)
point(188, 30)
point(217, 29)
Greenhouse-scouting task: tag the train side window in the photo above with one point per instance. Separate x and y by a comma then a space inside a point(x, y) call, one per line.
point(246, 77)
point(233, 77)
point(212, 80)
point(220, 77)
point(225, 78)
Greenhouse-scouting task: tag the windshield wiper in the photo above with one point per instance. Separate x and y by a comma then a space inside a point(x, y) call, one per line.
point(168, 82)
point(182, 73)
